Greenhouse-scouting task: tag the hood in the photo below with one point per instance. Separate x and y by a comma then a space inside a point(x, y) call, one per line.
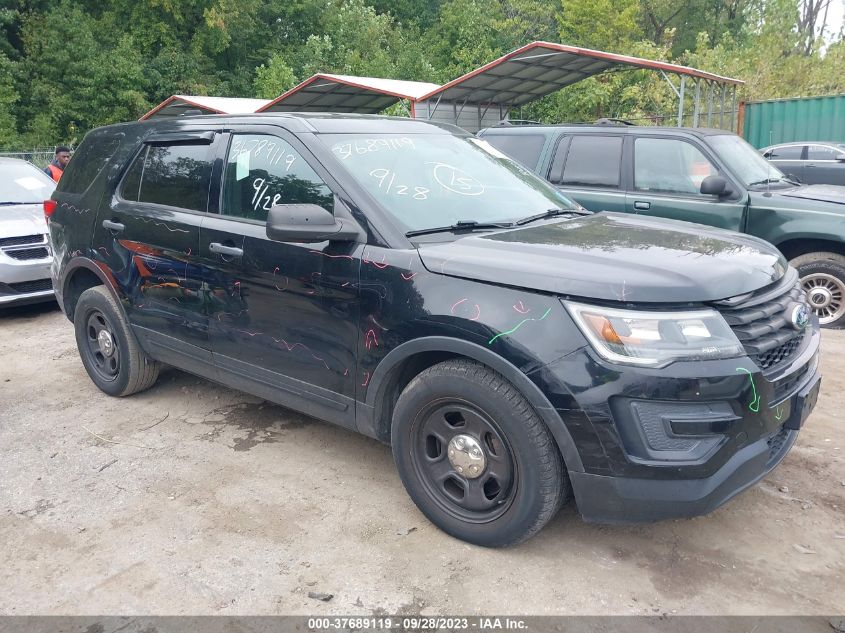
point(822, 193)
point(615, 257)
point(22, 219)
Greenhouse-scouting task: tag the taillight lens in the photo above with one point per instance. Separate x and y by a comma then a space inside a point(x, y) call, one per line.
point(49, 207)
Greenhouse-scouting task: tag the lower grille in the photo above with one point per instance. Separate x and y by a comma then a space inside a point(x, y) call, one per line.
point(776, 443)
point(32, 286)
point(21, 239)
point(25, 254)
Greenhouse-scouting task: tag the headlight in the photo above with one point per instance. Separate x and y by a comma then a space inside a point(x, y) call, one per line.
point(655, 339)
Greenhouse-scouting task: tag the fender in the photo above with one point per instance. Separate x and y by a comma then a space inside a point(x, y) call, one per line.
point(104, 276)
point(367, 423)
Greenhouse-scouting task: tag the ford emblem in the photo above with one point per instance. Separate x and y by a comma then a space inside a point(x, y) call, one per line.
point(800, 316)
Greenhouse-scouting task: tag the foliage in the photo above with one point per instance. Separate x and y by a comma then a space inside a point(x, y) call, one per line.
point(69, 65)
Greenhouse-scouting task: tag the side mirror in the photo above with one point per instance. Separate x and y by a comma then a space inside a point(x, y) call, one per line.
point(308, 223)
point(715, 186)
point(795, 178)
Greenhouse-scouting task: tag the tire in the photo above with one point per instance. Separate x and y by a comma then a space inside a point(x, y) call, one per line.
point(462, 408)
point(115, 362)
point(823, 277)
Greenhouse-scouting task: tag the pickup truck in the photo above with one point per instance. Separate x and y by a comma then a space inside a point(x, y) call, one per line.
point(699, 175)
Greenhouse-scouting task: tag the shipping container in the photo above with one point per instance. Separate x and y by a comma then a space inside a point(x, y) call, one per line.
point(802, 119)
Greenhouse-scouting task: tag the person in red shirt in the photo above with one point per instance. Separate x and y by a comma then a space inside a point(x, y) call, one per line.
point(60, 160)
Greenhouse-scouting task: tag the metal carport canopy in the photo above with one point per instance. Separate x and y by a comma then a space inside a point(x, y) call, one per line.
point(177, 105)
point(541, 68)
point(325, 92)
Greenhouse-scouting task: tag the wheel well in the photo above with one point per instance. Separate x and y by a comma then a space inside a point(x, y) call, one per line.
point(399, 377)
point(793, 248)
point(80, 281)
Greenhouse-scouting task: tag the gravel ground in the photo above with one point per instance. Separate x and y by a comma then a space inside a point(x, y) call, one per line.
point(195, 499)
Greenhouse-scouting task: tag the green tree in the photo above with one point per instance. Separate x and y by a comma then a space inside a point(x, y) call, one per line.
point(273, 79)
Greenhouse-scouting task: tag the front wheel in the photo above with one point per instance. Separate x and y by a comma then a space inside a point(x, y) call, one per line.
point(475, 457)
point(823, 279)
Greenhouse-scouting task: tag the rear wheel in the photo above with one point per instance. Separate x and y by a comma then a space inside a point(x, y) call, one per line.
point(823, 279)
point(109, 352)
point(475, 457)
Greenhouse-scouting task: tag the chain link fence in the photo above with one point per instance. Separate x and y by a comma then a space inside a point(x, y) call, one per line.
point(38, 157)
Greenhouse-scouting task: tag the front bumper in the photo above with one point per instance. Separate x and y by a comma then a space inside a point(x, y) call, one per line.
point(680, 441)
point(25, 280)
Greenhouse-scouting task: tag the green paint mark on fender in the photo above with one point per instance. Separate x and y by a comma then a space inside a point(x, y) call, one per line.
point(519, 325)
point(779, 414)
point(755, 403)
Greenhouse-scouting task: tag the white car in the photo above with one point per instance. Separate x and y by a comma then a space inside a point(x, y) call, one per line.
point(25, 255)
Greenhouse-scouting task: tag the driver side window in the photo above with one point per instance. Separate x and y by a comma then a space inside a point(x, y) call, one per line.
point(670, 166)
point(262, 171)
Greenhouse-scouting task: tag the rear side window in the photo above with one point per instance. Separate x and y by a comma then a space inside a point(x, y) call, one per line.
point(593, 161)
point(787, 152)
point(171, 175)
point(822, 152)
point(87, 162)
point(523, 148)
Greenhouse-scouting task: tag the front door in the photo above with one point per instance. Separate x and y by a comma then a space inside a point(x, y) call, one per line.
point(283, 321)
point(666, 183)
point(789, 159)
point(149, 239)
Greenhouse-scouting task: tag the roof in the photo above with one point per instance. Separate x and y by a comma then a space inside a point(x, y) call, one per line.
point(344, 93)
point(500, 130)
point(176, 105)
point(540, 68)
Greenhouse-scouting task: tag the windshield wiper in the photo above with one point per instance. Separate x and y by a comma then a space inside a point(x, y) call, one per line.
point(461, 225)
point(766, 181)
point(550, 213)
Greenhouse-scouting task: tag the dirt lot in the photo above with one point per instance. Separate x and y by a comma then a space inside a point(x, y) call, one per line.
point(195, 499)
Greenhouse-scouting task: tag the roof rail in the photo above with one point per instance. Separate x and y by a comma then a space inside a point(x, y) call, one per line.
point(507, 122)
point(613, 121)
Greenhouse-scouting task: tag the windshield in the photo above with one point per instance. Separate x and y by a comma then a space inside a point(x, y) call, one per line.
point(744, 161)
point(433, 180)
point(22, 182)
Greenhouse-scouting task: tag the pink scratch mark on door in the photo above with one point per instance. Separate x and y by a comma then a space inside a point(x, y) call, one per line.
point(370, 339)
point(287, 281)
point(519, 307)
point(366, 379)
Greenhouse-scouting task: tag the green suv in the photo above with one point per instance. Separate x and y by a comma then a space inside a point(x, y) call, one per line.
point(706, 176)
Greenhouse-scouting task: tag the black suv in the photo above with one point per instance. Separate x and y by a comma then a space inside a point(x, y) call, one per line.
point(405, 280)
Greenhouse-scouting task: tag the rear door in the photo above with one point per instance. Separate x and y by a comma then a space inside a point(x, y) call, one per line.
point(526, 149)
point(667, 176)
point(789, 159)
point(148, 239)
point(822, 167)
point(283, 315)
point(588, 169)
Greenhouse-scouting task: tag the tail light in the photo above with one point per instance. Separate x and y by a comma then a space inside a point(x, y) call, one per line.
point(49, 207)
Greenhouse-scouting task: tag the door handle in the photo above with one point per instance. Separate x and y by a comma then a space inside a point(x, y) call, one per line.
point(117, 227)
point(228, 251)
point(642, 206)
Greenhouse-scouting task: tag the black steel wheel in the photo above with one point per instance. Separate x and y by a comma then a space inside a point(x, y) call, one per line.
point(111, 355)
point(103, 354)
point(464, 461)
point(474, 456)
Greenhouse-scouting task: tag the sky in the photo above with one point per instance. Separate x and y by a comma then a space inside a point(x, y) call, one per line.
point(835, 16)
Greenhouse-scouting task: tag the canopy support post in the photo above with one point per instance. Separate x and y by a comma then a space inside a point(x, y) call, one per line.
point(696, 113)
point(681, 101)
